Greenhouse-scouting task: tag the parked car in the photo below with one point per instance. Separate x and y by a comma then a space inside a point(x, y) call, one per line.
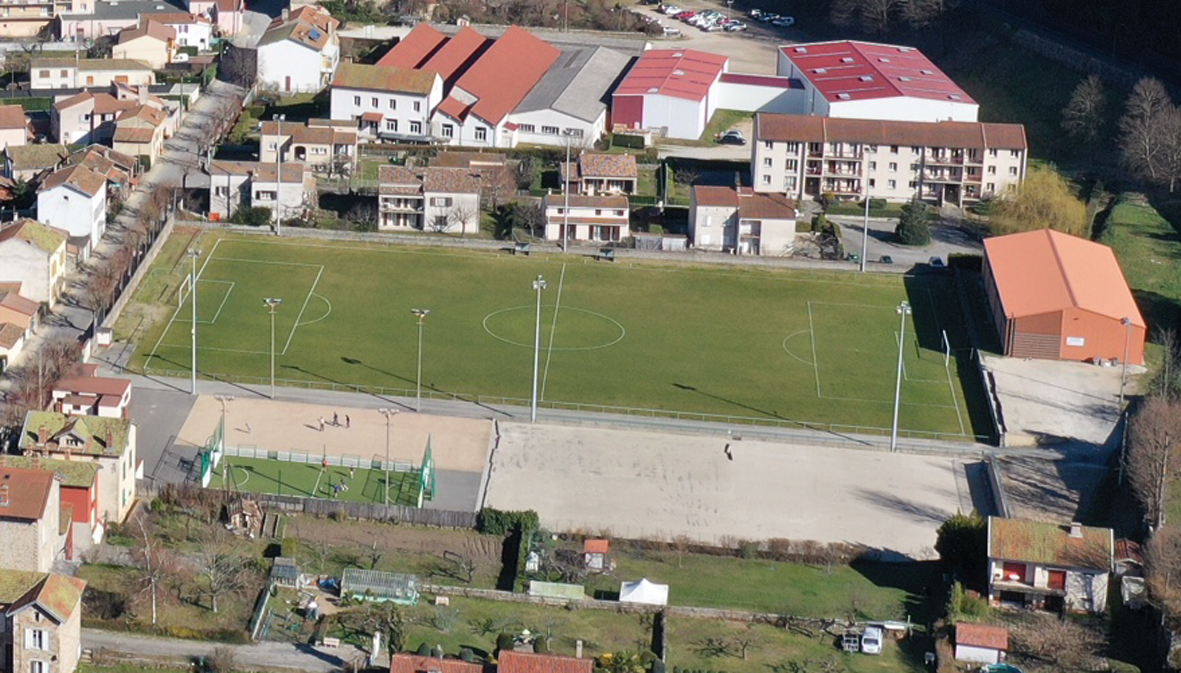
point(732, 138)
point(936, 262)
point(886, 259)
point(671, 10)
point(684, 16)
point(711, 27)
point(755, 13)
point(735, 26)
point(671, 31)
point(784, 22)
point(871, 640)
point(768, 17)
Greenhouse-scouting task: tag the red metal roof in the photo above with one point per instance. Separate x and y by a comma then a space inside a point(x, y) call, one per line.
point(413, 663)
point(511, 661)
point(505, 73)
point(682, 73)
point(416, 47)
point(454, 57)
point(849, 70)
point(1044, 271)
point(596, 546)
point(761, 80)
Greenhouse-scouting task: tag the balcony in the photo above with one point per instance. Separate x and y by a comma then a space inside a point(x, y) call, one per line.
point(857, 156)
point(955, 158)
point(1021, 587)
point(941, 177)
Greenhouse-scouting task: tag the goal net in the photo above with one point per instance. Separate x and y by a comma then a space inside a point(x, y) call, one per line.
point(182, 292)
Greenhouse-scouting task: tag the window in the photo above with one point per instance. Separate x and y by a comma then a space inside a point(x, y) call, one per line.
point(356, 100)
point(44, 73)
point(873, 165)
point(766, 179)
point(36, 640)
point(767, 145)
point(448, 131)
point(391, 125)
point(481, 134)
point(374, 102)
point(598, 212)
point(550, 130)
point(619, 213)
point(914, 167)
point(86, 117)
point(872, 183)
point(992, 170)
point(221, 191)
point(65, 73)
point(417, 106)
point(789, 184)
point(272, 146)
point(528, 128)
point(37, 666)
point(574, 133)
point(416, 127)
point(767, 161)
point(871, 148)
point(1012, 171)
point(393, 104)
point(893, 167)
point(912, 184)
point(916, 150)
point(893, 149)
point(991, 186)
point(441, 202)
point(891, 184)
point(264, 196)
point(1014, 154)
point(992, 153)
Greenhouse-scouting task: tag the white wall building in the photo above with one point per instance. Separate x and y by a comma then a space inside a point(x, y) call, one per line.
point(741, 221)
point(438, 199)
point(233, 184)
point(14, 126)
point(75, 199)
point(34, 255)
point(386, 102)
point(864, 80)
point(596, 219)
point(669, 89)
point(299, 52)
point(68, 73)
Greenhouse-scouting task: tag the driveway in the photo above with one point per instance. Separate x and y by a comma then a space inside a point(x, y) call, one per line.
point(259, 656)
point(751, 51)
point(945, 240)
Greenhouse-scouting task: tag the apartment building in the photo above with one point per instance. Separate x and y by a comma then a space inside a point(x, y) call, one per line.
point(386, 103)
point(952, 163)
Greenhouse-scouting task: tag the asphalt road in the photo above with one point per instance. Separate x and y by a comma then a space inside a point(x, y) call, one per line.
point(945, 240)
point(258, 655)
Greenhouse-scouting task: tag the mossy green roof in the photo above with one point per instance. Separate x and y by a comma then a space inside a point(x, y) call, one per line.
point(1049, 544)
point(44, 237)
point(16, 583)
point(92, 430)
point(73, 473)
point(27, 157)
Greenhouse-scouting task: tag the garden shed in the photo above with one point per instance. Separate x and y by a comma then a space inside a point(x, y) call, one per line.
point(643, 591)
point(374, 585)
point(285, 573)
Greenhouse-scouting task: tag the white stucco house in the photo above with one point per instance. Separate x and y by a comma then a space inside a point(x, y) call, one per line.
point(300, 51)
point(438, 199)
point(595, 219)
point(14, 126)
point(233, 184)
point(740, 221)
point(192, 30)
point(75, 199)
point(33, 255)
point(151, 42)
point(386, 103)
point(69, 73)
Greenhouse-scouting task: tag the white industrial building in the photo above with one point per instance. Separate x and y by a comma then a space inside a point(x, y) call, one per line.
point(864, 80)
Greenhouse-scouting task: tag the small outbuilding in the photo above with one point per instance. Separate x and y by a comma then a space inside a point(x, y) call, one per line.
point(643, 591)
point(374, 585)
point(1059, 297)
point(981, 643)
point(594, 553)
point(285, 573)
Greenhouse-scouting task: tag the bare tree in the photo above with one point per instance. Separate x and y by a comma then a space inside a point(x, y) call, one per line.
point(152, 560)
point(1154, 437)
point(219, 570)
point(871, 16)
point(681, 545)
point(1170, 353)
point(461, 217)
point(1084, 114)
point(1140, 128)
point(1169, 127)
point(222, 660)
point(1163, 569)
point(744, 640)
point(920, 13)
point(439, 224)
point(1061, 643)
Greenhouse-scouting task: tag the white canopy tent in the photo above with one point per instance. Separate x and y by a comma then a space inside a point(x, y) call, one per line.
point(643, 592)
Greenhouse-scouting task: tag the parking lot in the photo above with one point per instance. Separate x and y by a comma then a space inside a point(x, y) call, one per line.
point(750, 51)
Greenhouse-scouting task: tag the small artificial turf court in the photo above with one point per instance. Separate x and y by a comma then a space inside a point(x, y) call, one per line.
point(785, 346)
point(311, 480)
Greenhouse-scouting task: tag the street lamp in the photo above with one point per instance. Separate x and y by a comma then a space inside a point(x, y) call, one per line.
point(193, 255)
point(389, 415)
point(421, 313)
point(272, 303)
point(1123, 381)
point(865, 233)
point(279, 119)
point(729, 8)
point(566, 193)
point(538, 285)
point(903, 310)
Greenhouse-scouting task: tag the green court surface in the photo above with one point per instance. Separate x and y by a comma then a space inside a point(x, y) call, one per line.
point(782, 346)
point(310, 480)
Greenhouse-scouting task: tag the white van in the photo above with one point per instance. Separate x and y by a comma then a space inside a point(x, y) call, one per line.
point(871, 640)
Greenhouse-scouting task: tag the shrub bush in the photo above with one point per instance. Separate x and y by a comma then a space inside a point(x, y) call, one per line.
point(502, 522)
point(252, 216)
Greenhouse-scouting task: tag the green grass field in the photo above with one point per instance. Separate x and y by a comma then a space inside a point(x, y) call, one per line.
point(309, 480)
point(776, 345)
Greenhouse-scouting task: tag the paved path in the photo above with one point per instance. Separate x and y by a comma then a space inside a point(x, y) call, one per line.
point(258, 656)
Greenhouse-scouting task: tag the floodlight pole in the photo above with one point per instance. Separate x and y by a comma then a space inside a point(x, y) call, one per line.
point(272, 303)
point(865, 233)
point(193, 255)
point(903, 310)
point(278, 175)
point(389, 414)
point(538, 285)
point(224, 399)
point(421, 313)
point(566, 196)
point(1123, 381)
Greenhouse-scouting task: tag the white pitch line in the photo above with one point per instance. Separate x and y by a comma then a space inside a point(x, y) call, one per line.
point(266, 261)
point(302, 309)
point(815, 360)
point(178, 308)
point(552, 330)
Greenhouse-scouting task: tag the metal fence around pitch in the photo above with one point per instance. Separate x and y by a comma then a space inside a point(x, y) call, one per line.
point(828, 433)
point(304, 457)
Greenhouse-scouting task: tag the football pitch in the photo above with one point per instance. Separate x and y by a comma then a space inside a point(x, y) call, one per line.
point(784, 346)
point(310, 480)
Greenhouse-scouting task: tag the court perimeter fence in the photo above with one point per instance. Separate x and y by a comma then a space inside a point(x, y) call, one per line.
point(834, 433)
point(399, 514)
point(301, 456)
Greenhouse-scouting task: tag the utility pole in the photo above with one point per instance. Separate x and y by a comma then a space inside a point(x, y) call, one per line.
point(538, 285)
point(421, 313)
point(272, 304)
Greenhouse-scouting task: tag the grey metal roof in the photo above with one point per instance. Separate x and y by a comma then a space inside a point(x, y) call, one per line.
point(577, 83)
point(127, 9)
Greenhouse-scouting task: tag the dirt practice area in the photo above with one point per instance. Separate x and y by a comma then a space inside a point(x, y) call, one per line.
point(457, 444)
point(647, 485)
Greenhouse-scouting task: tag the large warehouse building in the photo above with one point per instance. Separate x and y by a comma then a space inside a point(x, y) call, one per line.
point(1059, 297)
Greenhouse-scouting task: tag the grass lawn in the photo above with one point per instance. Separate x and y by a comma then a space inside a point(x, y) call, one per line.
point(260, 475)
point(709, 581)
point(175, 618)
point(722, 121)
point(646, 182)
point(127, 668)
point(475, 623)
point(693, 644)
point(780, 345)
point(1149, 252)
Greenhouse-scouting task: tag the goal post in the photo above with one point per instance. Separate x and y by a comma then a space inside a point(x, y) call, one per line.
point(182, 292)
point(946, 351)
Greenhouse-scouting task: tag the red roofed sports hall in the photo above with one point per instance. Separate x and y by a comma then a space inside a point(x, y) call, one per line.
point(1059, 297)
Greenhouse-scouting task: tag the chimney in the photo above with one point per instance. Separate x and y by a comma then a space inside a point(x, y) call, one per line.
point(285, 11)
point(578, 649)
point(42, 435)
point(143, 94)
point(110, 439)
point(1076, 529)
